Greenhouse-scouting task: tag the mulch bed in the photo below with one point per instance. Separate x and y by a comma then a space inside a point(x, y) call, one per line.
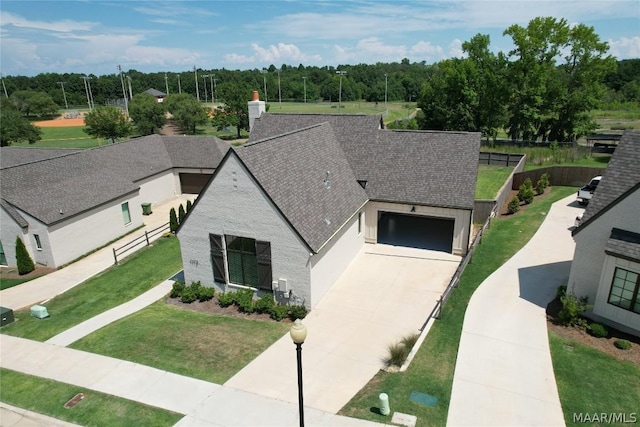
point(604, 345)
point(212, 307)
point(12, 272)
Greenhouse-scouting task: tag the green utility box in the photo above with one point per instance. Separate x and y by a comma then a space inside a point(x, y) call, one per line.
point(146, 209)
point(6, 316)
point(39, 311)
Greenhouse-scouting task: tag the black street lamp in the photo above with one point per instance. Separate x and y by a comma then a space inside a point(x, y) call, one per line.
point(298, 334)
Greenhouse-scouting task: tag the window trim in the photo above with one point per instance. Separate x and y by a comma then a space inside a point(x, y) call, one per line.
point(635, 294)
point(128, 215)
point(3, 256)
point(36, 237)
point(360, 223)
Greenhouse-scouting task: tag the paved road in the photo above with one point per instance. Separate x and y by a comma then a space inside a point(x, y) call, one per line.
point(504, 373)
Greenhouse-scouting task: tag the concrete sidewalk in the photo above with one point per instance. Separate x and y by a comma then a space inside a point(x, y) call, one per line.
point(103, 319)
point(202, 403)
point(504, 373)
point(46, 287)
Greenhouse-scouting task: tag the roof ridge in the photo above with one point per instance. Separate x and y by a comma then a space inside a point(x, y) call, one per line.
point(285, 134)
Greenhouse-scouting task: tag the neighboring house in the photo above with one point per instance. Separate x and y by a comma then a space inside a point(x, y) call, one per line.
point(288, 211)
point(65, 203)
point(159, 96)
point(606, 263)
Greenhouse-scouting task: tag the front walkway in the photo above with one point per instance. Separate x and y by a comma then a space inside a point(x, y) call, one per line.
point(504, 373)
point(46, 287)
point(385, 294)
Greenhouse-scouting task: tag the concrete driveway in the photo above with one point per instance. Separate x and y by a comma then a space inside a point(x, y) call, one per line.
point(385, 294)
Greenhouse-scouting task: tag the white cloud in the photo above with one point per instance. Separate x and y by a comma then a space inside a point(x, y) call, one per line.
point(282, 52)
point(65, 26)
point(426, 51)
point(455, 49)
point(625, 48)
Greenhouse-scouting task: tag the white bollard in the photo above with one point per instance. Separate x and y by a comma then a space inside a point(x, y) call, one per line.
point(384, 404)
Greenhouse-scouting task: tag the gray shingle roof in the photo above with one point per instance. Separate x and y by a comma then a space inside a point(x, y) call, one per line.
point(155, 92)
point(625, 244)
point(14, 156)
point(419, 167)
point(620, 178)
point(81, 181)
point(292, 169)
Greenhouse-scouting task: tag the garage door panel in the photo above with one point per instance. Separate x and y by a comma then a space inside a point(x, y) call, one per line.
point(416, 231)
point(193, 183)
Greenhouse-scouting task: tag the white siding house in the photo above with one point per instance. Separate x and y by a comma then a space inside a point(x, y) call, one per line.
point(606, 262)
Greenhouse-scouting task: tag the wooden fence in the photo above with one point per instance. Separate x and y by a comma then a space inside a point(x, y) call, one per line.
point(145, 239)
point(573, 176)
point(500, 159)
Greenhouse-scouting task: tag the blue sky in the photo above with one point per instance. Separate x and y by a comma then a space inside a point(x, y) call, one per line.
point(95, 36)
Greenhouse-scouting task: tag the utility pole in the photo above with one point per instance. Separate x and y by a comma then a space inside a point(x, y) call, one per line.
point(166, 84)
point(64, 95)
point(87, 89)
point(341, 73)
point(304, 82)
point(204, 83)
point(279, 91)
point(195, 71)
point(264, 79)
point(130, 92)
point(213, 96)
point(5, 89)
point(385, 91)
point(179, 87)
point(215, 89)
point(124, 92)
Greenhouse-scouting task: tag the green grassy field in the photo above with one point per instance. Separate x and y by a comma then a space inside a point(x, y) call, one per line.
point(65, 137)
point(209, 347)
point(117, 285)
point(96, 409)
point(432, 369)
point(591, 382)
point(490, 180)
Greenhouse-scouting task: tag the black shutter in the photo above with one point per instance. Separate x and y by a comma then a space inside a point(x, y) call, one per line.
point(217, 258)
point(263, 255)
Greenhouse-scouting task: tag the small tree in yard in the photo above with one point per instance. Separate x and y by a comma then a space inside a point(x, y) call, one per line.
point(23, 259)
point(173, 220)
point(188, 208)
point(525, 192)
point(181, 214)
point(542, 183)
point(514, 205)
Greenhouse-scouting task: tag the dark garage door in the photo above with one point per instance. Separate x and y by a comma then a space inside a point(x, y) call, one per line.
point(415, 231)
point(193, 183)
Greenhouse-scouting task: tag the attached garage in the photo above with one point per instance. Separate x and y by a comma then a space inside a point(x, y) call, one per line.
point(193, 183)
point(415, 231)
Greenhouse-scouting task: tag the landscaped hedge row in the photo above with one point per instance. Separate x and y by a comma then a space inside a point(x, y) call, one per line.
point(243, 299)
point(526, 193)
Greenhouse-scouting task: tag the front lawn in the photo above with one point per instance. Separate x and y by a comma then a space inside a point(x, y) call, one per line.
point(96, 409)
point(591, 382)
point(137, 274)
point(432, 369)
point(209, 347)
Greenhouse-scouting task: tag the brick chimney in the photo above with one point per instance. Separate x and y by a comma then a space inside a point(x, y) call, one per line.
point(256, 108)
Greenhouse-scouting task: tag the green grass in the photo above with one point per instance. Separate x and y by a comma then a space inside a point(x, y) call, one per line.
point(117, 285)
point(209, 347)
point(490, 180)
point(591, 382)
point(432, 369)
point(66, 137)
point(96, 409)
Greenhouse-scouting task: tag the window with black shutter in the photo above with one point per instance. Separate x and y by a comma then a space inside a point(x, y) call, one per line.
point(217, 258)
point(263, 255)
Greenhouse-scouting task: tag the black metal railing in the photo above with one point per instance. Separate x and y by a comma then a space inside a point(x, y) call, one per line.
point(437, 309)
